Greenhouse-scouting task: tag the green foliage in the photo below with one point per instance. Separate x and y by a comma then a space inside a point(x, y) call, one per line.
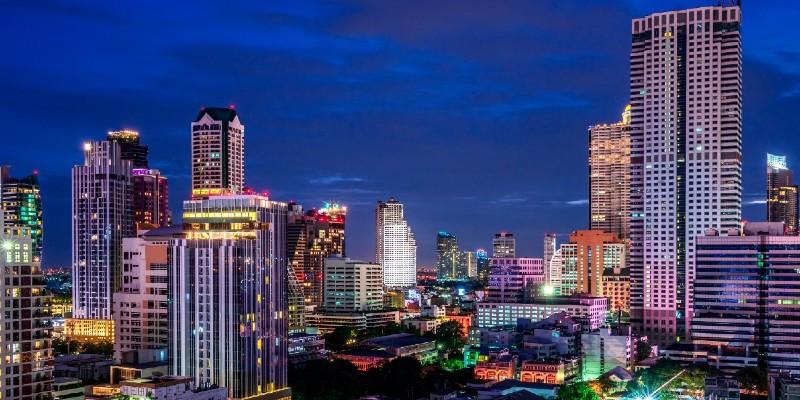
point(340, 338)
point(692, 380)
point(449, 337)
point(753, 378)
point(577, 391)
point(401, 378)
point(643, 350)
point(388, 329)
point(62, 347)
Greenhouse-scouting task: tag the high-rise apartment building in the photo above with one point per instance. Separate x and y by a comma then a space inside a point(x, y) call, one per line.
point(352, 285)
point(469, 259)
point(513, 280)
point(482, 265)
point(26, 355)
point(311, 237)
point(449, 260)
point(130, 147)
point(395, 245)
point(746, 294)
point(217, 152)
point(504, 245)
point(781, 194)
point(21, 206)
point(686, 150)
point(228, 314)
point(150, 199)
point(549, 251)
point(610, 176)
point(101, 217)
point(595, 253)
point(141, 309)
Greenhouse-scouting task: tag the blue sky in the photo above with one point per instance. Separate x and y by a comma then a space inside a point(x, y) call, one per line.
point(473, 113)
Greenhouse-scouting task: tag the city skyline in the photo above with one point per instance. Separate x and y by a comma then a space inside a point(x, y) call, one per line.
point(472, 212)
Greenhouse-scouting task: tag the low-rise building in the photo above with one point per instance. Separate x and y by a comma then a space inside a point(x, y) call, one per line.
point(66, 388)
point(606, 349)
point(589, 311)
point(493, 390)
point(717, 388)
point(497, 368)
point(784, 387)
point(726, 359)
point(365, 358)
point(326, 321)
point(125, 372)
point(169, 388)
point(82, 329)
point(304, 346)
point(554, 370)
point(86, 367)
point(405, 345)
point(423, 324)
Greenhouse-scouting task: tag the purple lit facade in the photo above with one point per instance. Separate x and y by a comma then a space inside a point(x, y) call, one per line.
point(511, 280)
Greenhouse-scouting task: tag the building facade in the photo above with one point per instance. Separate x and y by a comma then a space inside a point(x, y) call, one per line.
point(352, 285)
point(25, 344)
point(512, 280)
point(130, 147)
point(610, 176)
point(781, 194)
point(21, 205)
point(217, 152)
point(150, 201)
point(395, 245)
point(450, 265)
point(504, 245)
point(549, 250)
point(589, 311)
point(228, 314)
point(101, 217)
point(686, 149)
point(141, 309)
point(586, 258)
point(746, 294)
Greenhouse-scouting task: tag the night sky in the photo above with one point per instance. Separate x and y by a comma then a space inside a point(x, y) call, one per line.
point(472, 113)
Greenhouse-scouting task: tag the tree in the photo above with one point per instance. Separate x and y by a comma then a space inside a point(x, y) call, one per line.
point(323, 379)
point(691, 380)
point(752, 378)
point(340, 338)
point(643, 350)
point(449, 336)
point(577, 391)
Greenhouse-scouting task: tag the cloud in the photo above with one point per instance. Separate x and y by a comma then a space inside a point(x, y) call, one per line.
point(580, 202)
point(758, 201)
point(510, 199)
point(334, 179)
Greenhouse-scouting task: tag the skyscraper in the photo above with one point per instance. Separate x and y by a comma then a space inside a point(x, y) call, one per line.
point(101, 217)
point(686, 135)
point(513, 280)
point(130, 148)
point(25, 346)
point(352, 285)
point(395, 245)
point(781, 194)
point(449, 260)
point(228, 313)
point(311, 237)
point(469, 259)
point(482, 265)
point(150, 198)
point(610, 176)
point(217, 152)
point(504, 245)
point(21, 204)
point(549, 251)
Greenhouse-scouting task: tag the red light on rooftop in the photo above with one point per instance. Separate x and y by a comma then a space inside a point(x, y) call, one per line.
point(232, 106)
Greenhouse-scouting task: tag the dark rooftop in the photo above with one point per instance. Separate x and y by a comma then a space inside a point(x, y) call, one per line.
point(217, 113)
point(397, 340)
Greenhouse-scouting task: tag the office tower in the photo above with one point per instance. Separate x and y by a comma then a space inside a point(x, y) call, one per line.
point(549, 251)
point(617, 289)
point(555, 267)
point(482, 264)
point(21, 204)
point(746, 294)
point(504, 245)
point(25, 344)
point(595, 253)
point(217, 152)
point(311, 237)
point(686, 135)
point(150, 199)
point(352, 285)
point(228, 317)
point(101, 217)
point(395, 245)
point(469, 259)
point(610, 176)
point(130, 148)
point(140, 306)
point(449, 260)
point(781, 194)
point(513, 280)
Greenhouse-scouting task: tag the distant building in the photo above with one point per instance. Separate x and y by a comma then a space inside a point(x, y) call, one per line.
point(610, 176)
point(352, 285)
point(589, 311)
point(450, 264)
point(482, 264)
point(230, 269)
point(512, 280)
point(504, 245)
point(469, 260)
point(101, 217)
point(395, 245)
point(217, 152)
point(586, 258)
point(141, 306)
point(327, 322)
point(744, 293)
point(21, 206)
point(781, 194)
point(130, 147)
point(25, 344)
point(548, 253)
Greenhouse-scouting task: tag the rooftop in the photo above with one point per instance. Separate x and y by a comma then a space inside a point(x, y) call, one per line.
point(397, 340)
point(217, 113)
